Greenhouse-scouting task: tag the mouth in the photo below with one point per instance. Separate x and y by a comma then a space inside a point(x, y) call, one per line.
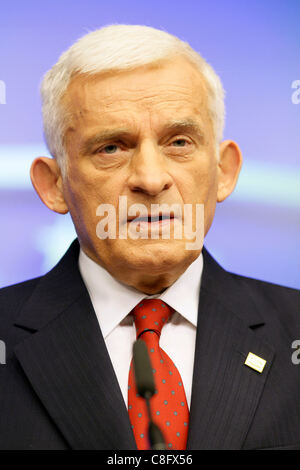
point(152, 219)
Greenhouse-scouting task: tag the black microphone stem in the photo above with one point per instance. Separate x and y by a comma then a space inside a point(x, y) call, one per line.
point(146, 389)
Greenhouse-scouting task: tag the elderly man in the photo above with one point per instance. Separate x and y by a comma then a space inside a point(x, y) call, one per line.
point(134, 119)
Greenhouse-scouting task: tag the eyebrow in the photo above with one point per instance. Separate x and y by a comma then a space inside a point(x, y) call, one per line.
point(179, 125)
point(184, 125)
point(103, 136)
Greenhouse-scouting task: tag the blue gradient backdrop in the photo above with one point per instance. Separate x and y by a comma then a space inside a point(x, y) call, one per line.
point(254, 46)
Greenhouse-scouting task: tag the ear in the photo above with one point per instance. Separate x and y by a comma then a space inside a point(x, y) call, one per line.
point(228, 168)
point(47, 181)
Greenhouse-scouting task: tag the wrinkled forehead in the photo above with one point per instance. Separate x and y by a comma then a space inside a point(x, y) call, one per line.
point(173, 88)
point(173, 75)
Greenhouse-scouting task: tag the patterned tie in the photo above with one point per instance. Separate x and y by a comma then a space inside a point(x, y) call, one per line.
point(168, 405)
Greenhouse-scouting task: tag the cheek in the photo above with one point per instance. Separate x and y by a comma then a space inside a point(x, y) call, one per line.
point(199, 184)
point(85, 191)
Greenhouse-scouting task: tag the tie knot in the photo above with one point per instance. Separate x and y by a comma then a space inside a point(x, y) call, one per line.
point(152, 315)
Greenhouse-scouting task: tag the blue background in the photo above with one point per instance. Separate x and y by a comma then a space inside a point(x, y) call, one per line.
point(255, 48)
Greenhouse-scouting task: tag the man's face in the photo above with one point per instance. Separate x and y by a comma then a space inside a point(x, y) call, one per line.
point(146, 135)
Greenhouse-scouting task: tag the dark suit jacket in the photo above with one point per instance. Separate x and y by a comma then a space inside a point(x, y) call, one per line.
point(58, 389)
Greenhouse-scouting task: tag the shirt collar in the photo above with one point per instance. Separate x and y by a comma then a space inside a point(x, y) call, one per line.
point(112, 300)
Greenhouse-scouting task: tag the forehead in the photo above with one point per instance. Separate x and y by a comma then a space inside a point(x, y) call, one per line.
point(156, 90)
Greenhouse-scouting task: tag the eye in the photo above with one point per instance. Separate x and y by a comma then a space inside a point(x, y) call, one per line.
point(111, 148)
point(180, 142)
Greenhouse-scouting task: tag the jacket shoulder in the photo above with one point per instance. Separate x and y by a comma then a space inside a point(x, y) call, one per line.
point(285, 301)
point(258, 300)
point(269, 289)
point(12, 298)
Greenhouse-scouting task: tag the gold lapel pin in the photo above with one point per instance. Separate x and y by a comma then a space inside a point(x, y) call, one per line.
point(255, 362)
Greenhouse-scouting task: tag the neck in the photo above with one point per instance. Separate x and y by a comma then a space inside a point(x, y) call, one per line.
point(147, 277)
point(149, 284)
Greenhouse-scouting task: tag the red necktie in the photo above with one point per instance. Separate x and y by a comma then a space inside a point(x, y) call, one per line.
point(168, 406)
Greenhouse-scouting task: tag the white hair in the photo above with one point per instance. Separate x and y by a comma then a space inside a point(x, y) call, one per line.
point(116, 48)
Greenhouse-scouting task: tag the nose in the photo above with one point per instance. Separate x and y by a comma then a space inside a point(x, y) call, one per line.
point(148, 171)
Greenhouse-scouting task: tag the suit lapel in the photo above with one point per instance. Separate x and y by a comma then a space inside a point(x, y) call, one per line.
point(225, 392)
point(67, 362)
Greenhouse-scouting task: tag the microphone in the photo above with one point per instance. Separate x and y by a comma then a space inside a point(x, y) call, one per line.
point(146, 388)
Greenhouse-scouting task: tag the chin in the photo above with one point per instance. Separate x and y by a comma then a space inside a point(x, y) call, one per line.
point(161, 257)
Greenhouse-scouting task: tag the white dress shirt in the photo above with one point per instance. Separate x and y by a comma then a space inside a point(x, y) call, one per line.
point(113, 301)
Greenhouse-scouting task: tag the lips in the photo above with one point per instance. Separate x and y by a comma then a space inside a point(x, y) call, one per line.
point(151, 218)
